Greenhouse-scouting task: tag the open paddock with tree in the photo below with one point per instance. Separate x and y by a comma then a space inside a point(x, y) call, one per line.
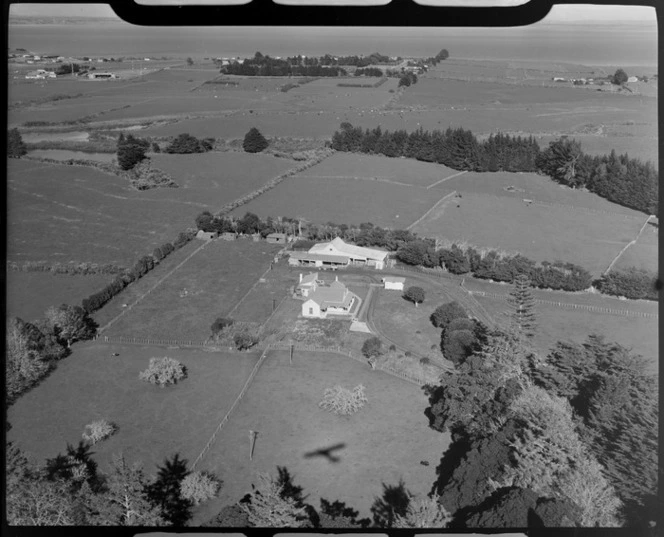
point(76, 213)
point(379, 167)
point(537, 231)
point(349, 201)
point(330, 94)
point(30, 294)
point(569, 324)
point(153, 423)
point(208, 286)
point(282, 407)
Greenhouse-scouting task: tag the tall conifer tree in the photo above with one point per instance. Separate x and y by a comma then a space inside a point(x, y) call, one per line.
point(523, 315)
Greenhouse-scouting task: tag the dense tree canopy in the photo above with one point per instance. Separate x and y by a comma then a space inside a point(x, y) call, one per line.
point(185, 144)
point(131, 151)
point(619, 77)
point(254, 141)
point(15, 146)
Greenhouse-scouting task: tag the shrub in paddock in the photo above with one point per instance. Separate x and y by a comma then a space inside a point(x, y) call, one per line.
point(163, 371)
point(220, 324)
point(131, 151)
point(98, 430)
point(186, 144)
point(254, 141)
point(245, 339)
point(15, 146)
point(445, 314)
point(415, 295)
point(342, 401)
point(372, 348)
point(199, 487)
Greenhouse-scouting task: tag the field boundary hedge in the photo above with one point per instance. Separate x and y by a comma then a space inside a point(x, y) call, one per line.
point(72, 267)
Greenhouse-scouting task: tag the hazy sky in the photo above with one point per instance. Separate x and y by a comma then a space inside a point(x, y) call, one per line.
point(567, 13)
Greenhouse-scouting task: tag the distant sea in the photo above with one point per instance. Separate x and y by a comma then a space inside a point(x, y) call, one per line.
point(610, 44)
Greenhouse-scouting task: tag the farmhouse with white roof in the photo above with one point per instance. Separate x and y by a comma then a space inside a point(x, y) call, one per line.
point(337, 253)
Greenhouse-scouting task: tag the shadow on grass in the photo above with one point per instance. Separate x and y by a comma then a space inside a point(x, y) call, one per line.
point(326, 453)
point(393, 502)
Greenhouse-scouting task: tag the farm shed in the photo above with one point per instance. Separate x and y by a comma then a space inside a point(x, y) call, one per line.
point(358, 255)
point(394, 282)
point(632, 79)
point(206, 235)
point(305, 259)
point(277, 238)
point(102, 76)
point(334, 299)
point(228, 236)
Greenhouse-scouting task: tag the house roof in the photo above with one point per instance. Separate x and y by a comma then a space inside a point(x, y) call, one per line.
point(337, 296)
point(306, 256)
point(309, 278)
point(349, 249)
point(393, 279)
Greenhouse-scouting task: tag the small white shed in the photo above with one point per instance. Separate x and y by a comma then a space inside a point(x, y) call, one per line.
point(394, 282)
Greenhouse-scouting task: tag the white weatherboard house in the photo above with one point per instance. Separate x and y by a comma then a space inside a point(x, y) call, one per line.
point(334, 299)
point(337, 253)
point(308, 284)
point(394, 282)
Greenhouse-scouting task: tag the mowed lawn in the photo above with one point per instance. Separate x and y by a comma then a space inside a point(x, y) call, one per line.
point(75, 213)
point(374, 167)
point(206, 287)
point(30, 294)
point(343, 201)
point(382, 443)
point(641, 334)
point(153, 423)
point(537, 231)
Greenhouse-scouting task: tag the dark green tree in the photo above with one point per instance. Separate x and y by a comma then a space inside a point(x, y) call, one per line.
point(164, 492)
point(130, 151)
point(446, 313)
point(372, 347)
point(619, 77)
point(254, 141)
point(522, 316)
point(15, 146)
point(415, 295)
point(442, 55)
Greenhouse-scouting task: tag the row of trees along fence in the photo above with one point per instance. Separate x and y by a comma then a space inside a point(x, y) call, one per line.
point(618, 178)
point(144, 265)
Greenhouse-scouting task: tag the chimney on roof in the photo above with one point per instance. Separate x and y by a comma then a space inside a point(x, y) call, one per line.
point(336, 278)
point(300, 277)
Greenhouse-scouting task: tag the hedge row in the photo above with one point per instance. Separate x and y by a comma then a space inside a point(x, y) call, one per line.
point(631, 283)
point(144, 265)
point(490, 265)
point(69, 268)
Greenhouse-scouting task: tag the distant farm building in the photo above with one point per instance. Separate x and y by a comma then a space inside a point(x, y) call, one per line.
point(206, 235)
point(357, 255)
point(394, 282)
point(102, 76)
point(40, 74)
point(305, 259)
point(277, 238)
point(334, 299)
point(632, 79)
point(228, 236)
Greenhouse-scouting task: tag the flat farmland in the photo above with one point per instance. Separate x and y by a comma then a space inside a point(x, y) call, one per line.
point(326, 94)
point(371, 167)
point(30, 294)
point(349, 201)
point(215, 178)
point(644, 253)
point(282, 406)
point(564, 324)
point(206, 287)
point(539, 232)
point(154, 423)
point(73, 213)
point(534, 187)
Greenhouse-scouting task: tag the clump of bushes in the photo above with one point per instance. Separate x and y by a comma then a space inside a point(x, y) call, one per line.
point(631, 283)
point(199, 487)
point(163, 371)
point(242, 336)
point(65, 268)
point(131, 150)
point(372, 348)
point(186, 144)
point(15, 146)
point(142, 176)
point(342, 401)
point(98, 430)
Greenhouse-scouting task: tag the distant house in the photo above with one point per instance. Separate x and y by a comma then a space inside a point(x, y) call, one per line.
point(277, 238)
point(559, 79)
point(394, 282)
point(307, 285)
point(206, 235)
point(40, 74)
point(256, 237)
point(632, 79)
point(334, 299)
point(102, 76)
point(228, 236)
